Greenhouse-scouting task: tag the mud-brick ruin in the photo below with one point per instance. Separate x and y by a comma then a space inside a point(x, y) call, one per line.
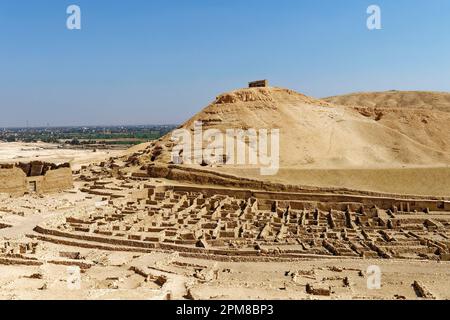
point(258, 84)
point(249, 225)
point(35, 177)
point(125, 224)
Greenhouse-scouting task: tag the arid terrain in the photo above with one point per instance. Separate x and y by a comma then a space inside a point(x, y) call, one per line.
point(11, 152)
point(363, 183)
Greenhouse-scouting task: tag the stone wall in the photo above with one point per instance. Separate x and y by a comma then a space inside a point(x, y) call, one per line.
point(53, 181)
point(258, 84)
point(300, 201)
point(57, 180)
point(13, 181)
point(39, 168)
point(39, 177)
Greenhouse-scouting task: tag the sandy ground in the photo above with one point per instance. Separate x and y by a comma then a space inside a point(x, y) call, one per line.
point(11, 152)
point(114, 277)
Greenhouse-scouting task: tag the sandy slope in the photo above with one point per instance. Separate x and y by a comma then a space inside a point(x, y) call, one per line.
point(422, 116)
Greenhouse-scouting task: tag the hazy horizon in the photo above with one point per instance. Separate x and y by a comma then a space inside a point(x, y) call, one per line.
point(91, 126)
point(163, 61)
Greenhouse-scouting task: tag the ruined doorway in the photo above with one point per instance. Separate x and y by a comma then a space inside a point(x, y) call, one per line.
point(32, 186)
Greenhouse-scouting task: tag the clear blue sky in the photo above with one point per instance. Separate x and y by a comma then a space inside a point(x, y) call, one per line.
point(150, 62)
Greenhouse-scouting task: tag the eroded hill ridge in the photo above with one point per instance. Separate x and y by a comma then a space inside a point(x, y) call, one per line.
point(318, 133)
point(395, 99)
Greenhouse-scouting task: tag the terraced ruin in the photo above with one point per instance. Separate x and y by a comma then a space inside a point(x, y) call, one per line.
point(249, 225)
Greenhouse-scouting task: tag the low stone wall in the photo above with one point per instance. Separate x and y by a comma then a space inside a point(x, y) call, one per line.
point(108, 244)
point(26, 262)
point(321, 200)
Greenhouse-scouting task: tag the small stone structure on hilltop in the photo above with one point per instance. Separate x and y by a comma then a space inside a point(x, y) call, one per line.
point(258, 84)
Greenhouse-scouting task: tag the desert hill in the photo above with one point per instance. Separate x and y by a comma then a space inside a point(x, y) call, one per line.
point(391, 147)
point(320, 134)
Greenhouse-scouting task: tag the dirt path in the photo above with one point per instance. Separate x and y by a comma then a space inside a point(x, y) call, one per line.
point(23, 225)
